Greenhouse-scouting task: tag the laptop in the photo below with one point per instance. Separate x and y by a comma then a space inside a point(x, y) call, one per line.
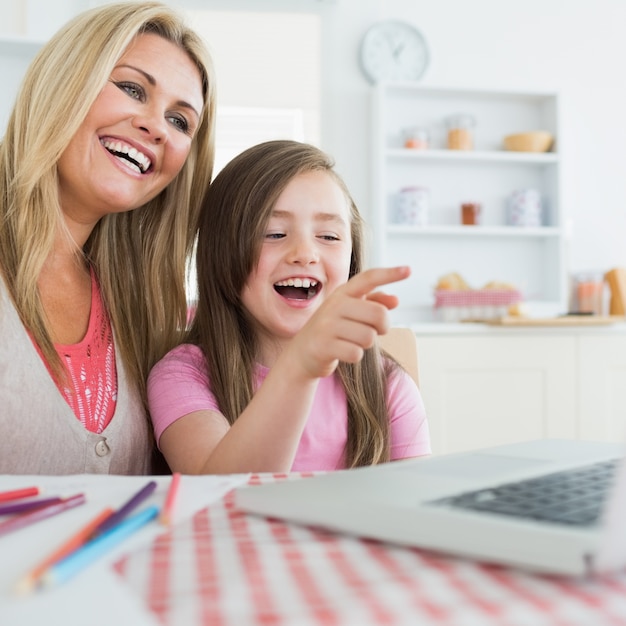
point(472, 504)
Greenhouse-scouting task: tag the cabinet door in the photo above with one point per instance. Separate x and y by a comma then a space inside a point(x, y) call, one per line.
point(483, 391)
point(602, 387)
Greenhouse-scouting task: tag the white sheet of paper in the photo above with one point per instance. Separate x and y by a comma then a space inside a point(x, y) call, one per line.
point(95, 596)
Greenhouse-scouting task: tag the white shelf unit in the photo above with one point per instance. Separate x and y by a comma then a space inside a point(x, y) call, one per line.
point(533, 259)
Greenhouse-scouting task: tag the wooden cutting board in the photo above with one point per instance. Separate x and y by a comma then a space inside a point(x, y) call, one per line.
point(563, 320)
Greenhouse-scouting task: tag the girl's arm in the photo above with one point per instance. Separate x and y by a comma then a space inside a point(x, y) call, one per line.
point(407, 416)
point(265, 437)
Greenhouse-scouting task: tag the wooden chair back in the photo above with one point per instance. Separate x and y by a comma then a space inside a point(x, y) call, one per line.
point(401, 343)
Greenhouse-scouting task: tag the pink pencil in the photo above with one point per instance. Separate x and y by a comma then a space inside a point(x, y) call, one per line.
point(170, 500)
point(16, 494)
point(36, 515)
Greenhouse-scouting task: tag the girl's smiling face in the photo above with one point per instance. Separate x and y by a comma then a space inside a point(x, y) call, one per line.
point(137, 134)
point(304, 257)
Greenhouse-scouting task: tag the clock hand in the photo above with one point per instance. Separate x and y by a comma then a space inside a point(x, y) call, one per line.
point(397, 50)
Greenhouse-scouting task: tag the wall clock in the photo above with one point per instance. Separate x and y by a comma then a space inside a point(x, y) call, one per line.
point(393, 50)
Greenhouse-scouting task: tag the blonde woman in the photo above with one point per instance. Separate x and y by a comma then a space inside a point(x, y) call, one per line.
point(281, 371)
point(107, 154)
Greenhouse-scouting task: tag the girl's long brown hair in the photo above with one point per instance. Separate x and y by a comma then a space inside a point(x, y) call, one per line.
point(233, 219)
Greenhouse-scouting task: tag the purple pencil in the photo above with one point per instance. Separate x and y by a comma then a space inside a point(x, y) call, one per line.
point(43, 512)
point(22, 507)
point(125, 509)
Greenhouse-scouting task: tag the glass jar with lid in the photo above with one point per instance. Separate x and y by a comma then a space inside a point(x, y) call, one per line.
point(416, 138)
point(460, 131)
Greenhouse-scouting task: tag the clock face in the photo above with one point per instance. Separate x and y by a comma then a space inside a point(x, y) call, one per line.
point(393, 50)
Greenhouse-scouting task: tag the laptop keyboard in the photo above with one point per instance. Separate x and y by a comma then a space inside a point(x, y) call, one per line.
point(574, 497)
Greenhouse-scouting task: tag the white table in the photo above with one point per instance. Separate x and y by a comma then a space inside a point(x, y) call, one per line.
point(221, 566)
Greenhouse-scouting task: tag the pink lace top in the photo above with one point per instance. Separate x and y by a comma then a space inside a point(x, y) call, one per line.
point(91, 369)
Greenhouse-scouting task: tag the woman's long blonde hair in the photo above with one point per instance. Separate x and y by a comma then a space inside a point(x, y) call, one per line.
point(139, 256)
point(235, 213)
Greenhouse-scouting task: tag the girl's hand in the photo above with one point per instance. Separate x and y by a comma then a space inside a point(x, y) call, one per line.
point(347, 323)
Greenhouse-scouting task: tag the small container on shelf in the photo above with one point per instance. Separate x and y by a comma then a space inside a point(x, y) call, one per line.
point(525, 208)
point(470, 213)
point(416, 138)
point(460, 132)
point(589, 293)
point(412, 205)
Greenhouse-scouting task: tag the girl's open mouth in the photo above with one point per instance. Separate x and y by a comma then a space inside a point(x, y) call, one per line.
point(298, 288)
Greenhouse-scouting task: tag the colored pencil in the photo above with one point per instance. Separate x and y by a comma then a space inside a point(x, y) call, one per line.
point(43, 512)
point(81, 558)
point(17, 494)
point(31, 579)
point(170, 500)
point(22, 507)
point(125, 509)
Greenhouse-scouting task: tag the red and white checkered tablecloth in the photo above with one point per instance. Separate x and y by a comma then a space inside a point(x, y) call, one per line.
point(226, 568)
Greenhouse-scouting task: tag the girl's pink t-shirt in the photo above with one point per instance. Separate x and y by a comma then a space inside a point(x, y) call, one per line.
point(179, 384)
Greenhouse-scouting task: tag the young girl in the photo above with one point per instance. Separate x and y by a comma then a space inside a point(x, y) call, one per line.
point(282, 371)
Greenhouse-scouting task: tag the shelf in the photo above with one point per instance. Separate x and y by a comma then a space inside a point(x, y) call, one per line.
point(532, 258)
point(487, 156)
point(473, 231)
point(457, 93)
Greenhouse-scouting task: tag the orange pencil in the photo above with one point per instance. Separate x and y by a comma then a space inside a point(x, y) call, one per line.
point(17, 494)
point(170, 500)
point(30, 580)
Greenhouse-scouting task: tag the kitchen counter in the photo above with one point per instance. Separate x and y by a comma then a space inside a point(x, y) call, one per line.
point(494, 330)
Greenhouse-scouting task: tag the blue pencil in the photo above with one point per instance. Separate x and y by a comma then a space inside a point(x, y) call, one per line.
point(125, 509)
point(81, 558)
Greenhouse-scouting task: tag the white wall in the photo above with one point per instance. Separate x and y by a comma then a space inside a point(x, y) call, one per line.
point(574, 46)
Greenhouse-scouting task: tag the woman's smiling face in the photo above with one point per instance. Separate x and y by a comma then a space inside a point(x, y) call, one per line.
point(137, 134)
